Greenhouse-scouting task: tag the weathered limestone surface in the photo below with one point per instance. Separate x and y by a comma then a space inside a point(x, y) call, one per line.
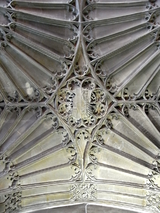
point(79, 106)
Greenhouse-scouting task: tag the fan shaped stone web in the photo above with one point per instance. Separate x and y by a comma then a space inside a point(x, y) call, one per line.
point(80, 106)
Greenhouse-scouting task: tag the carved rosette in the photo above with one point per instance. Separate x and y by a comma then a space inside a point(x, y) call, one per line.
point(79, 104)
point(83, 192)
point(154, 200)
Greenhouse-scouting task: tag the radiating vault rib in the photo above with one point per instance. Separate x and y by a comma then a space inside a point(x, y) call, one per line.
point(83, 77)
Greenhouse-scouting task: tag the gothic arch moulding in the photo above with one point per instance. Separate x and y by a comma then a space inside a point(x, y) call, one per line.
point(79, 106)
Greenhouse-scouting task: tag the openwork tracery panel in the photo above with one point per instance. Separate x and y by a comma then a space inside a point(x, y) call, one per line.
point(80, 105)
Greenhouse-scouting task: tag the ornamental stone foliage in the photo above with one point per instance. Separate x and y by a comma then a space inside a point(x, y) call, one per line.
point(80, 106)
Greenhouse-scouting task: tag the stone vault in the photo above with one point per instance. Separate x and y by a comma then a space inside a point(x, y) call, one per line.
point(79, 106)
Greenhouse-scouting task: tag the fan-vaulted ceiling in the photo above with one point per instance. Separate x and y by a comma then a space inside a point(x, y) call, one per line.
point(79, 106)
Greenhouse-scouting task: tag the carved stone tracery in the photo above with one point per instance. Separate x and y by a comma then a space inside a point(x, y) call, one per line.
point(79, 104)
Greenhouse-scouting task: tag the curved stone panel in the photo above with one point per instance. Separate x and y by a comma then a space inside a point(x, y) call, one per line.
point(80, 106)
